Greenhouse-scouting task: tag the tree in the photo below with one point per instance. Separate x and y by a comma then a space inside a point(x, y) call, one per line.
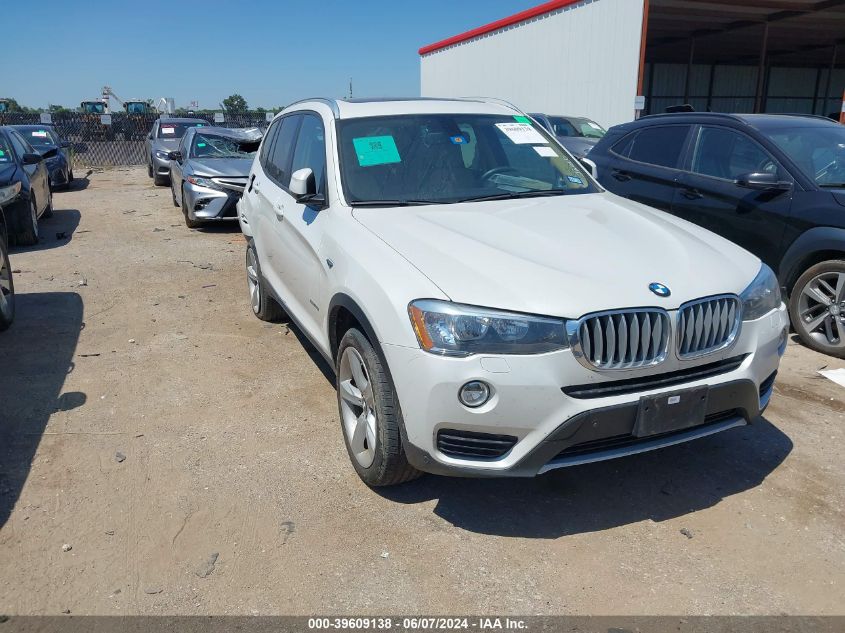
point(12, 105)
point(56, 109)
point(234, 103)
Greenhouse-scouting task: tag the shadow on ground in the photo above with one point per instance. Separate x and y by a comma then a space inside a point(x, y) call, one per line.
point(36, 355)
point(53, 232)
point(655, 486)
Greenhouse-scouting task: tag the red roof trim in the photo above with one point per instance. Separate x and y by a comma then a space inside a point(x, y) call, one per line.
point(546, 7)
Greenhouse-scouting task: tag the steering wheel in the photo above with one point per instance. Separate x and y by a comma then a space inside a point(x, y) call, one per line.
point(496, 170)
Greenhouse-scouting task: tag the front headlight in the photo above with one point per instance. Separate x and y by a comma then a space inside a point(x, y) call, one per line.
point(9, 192)
point(761, 296)
point(203, 182)
point(162, 154)
point(452, 329)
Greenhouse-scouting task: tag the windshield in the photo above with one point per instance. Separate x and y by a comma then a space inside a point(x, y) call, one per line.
point(5, 152)
point(215, 146)
point(40, 138)
point(176, 130)
point(136, 108)
point(445, 158)
point(94, 108)
point(818, 151)
point(575, 126)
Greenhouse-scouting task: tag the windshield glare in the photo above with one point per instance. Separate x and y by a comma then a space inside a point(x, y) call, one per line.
point(445, 158)
point(573, 126)
point(818, 151)
point(175, 130)
point(215, 146)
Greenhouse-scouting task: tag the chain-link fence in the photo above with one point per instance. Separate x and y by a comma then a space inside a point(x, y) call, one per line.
point(118, 138)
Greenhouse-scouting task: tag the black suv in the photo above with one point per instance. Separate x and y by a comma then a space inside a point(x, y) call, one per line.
point(774, 184)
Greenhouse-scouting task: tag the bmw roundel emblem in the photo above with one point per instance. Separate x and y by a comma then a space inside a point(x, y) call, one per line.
point(659, 289)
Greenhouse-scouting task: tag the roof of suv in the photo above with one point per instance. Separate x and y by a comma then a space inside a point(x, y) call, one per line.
point(758, 121)
point(356, 108)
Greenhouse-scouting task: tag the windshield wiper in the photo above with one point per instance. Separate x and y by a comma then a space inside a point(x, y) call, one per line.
point(833, 185)
point(393, 203)
point(513, 195)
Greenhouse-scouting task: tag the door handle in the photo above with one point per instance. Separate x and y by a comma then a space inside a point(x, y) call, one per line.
point(279, 209)
point(691, 194)
point(621, 176)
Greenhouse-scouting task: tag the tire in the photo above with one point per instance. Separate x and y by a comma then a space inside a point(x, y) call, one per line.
point(7, 287)
point(150, 168)
point(817, 310)
point(191, 224)
point(28, 233)
point(263, 305)
point(69, 184)
point(48, 212)
point(173, 195)
point(160, 181)
point(370, 416)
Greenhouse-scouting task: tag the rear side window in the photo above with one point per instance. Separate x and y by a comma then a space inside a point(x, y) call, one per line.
point(267, 144)
point(661, 146)
point(278, 163)
point(311, 149)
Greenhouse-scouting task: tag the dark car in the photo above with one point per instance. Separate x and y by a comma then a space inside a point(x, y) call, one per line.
point(26, 183)
point(774, 184)
point(576, 133)
point(164, 137)
point(45, 138)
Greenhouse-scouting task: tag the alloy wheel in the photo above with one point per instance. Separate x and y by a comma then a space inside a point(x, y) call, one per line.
point(821, 308)
point(357, 406)
point(253, 281)
point(33, 211)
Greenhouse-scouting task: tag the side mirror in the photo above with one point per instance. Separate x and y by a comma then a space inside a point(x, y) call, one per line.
point(591, 167)
point(762, 180)
point(31, 159)
point(303, 187)
point(177, 156)
point(50, 153)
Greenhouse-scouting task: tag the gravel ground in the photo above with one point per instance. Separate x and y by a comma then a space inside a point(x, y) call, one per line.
point(164, 452)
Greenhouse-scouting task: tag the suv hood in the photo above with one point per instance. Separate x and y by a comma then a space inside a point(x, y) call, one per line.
point(215, 167)
point(578, 145)
point(166, 144)
point(564, 256)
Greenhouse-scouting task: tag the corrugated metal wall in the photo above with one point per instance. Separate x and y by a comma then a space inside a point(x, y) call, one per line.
point(796, 90)
point(580, 60)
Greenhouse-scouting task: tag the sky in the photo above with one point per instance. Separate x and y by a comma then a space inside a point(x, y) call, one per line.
point(272, 52)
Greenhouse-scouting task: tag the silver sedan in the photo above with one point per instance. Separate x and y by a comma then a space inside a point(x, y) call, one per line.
point(209, 171)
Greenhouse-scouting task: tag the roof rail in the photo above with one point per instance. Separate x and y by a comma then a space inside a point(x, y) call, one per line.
point(493, 100)
point(332, 103)
point(724, 115)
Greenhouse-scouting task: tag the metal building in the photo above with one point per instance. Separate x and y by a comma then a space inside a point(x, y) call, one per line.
point(598, 58)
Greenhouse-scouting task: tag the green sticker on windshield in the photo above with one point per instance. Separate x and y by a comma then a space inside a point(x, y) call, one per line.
point(376, 150)
point(200, 144)
point(2, 153)
point(522, 119)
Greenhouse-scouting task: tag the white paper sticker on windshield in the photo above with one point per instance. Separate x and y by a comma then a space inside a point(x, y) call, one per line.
point(521, 133)
point(39, 133)
point(546, 151)
point(168, 130)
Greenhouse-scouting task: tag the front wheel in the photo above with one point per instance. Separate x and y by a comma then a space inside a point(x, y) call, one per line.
point(48, 212)
point(28, 233)
point(7, 287)
point(817, 308)
point(370, 414)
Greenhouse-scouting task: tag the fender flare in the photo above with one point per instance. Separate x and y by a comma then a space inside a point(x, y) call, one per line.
point(342, 300)
point(815, 240)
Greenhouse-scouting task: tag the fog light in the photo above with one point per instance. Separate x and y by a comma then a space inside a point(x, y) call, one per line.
point(474, 393)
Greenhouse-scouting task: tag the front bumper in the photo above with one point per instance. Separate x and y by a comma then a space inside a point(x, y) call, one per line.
point(161, 166)
point(204, 203)
point(594, 421)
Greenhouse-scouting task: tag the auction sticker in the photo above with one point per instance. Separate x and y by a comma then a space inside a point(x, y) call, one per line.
point(39, 133)
point(521, 133)
point(168, 129)
point(376, 150)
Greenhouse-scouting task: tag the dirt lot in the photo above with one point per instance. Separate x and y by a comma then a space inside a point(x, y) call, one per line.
point(134, 336)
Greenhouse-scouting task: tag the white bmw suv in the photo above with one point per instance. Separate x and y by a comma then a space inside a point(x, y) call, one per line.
point(487, 307)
